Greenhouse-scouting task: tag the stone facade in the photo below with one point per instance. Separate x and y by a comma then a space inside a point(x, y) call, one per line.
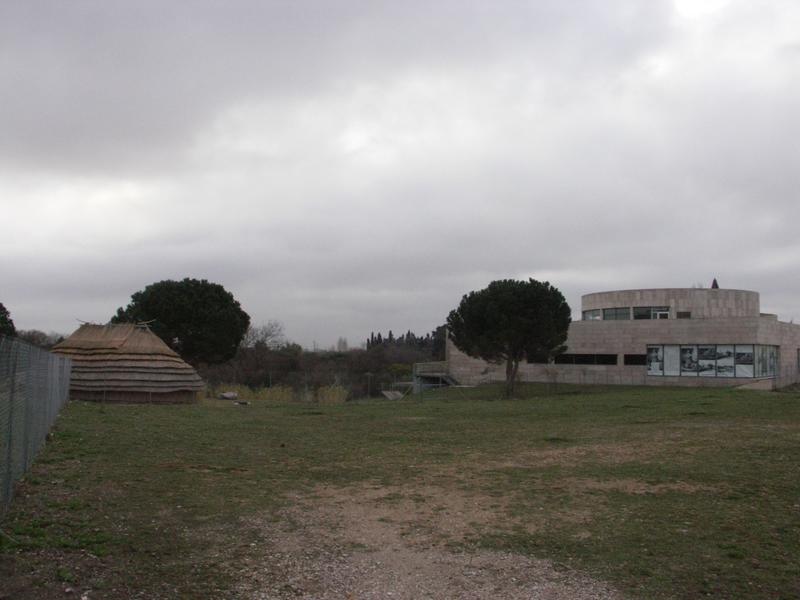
point(718, 316)
point(701, 303)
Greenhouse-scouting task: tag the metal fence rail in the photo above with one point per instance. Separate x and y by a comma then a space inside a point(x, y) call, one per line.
point(34, 385)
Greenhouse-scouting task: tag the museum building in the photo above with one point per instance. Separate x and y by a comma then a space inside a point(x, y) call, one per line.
point(675, 336)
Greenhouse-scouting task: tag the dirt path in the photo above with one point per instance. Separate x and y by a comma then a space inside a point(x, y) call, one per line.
point(377, 542)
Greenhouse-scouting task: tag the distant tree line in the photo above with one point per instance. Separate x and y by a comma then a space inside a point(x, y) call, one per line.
point(40, 338)
point(32, 336)
point(266, 358)
point(432, 342)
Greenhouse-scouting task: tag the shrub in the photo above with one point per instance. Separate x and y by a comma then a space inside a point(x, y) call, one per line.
point(332, 394)
point(277, 393)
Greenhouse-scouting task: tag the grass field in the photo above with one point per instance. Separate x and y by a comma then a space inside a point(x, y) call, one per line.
point(660, 493)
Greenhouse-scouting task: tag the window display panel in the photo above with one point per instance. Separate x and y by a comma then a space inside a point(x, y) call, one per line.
point(672, 361)
point(655, 360)
point(711, 360)
point(707, 361)
point(761, 361)
point(744, 360)
point(689, 362)
point(725, 366)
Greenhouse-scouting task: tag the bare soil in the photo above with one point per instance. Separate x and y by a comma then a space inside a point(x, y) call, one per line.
point(398, 542)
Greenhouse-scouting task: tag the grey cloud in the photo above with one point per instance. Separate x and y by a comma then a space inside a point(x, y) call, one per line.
point(110, 86)
point(348, 167)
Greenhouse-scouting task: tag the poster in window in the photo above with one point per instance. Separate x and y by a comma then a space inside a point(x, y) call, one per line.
point(725, 366)
point(744, 361)
point(689, 362)
point(672, 360)
point(707, 361)
point(655, 360)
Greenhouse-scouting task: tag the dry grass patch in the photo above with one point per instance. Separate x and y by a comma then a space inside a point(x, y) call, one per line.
point(633, 486)
point(569, 456)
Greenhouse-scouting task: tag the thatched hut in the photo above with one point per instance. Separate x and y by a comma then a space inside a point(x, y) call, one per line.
point(127, 363)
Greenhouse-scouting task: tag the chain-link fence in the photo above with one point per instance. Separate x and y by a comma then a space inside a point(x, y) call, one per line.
point(34, 385)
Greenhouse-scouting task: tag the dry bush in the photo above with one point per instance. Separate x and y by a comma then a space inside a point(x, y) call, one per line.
point(332, 394)
point(278, 393)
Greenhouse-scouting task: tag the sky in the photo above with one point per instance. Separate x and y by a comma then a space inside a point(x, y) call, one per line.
point(354, 166)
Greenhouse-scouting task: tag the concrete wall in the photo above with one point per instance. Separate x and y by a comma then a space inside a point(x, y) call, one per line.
point(470, 371)
point(787, 336)
point(632, 337)
point(473, 371)
point(702, 303)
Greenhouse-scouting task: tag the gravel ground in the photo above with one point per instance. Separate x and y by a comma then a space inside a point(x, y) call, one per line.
point(371, 543)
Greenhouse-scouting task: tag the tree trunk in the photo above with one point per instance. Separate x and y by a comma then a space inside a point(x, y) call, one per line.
point(512, 366)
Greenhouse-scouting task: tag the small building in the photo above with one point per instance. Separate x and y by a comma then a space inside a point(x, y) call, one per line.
point(127, 363)
point(675, 336)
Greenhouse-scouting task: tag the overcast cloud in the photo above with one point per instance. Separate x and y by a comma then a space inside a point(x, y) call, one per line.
point(347, 167)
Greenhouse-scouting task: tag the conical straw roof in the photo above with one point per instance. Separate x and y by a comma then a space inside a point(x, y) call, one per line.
point(126, 362)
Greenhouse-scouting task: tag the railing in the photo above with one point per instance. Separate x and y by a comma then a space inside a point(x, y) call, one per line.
point(34, 385)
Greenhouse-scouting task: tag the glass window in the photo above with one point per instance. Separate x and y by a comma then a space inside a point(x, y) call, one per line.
point(689, 364)
point(761, 361)
point(592, 315)
point(636, 359)
point(744, 360)
point(655, 360)
point(725, 367)
point(616, 314)
point(651, 312)
point(766, 361)
point(586, 359)
point(684, 314)
point(772, 361)
point(672, 361)
point(710, 360)
point(605, 359)
point(707, 361)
